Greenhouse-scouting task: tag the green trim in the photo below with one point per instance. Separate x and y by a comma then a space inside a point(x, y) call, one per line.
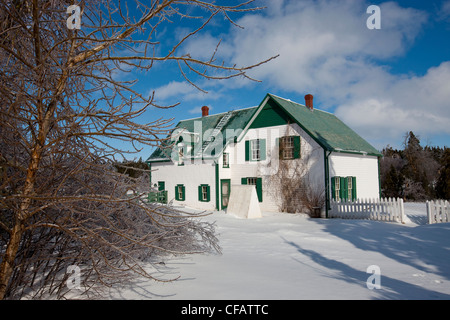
point(221, 191)
point(354, 193)
point(159, 160)
point(247, 150)
point(217, 187)
point(357, 152)
point(149, 173)
point(183, 193)
point(297, 147)
point(200, 193)
point(259, 190)
point(327, 181)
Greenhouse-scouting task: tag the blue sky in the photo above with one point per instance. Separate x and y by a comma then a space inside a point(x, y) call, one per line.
point(382, 83)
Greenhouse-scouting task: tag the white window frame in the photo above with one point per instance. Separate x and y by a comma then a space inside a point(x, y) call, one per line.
point(350, 187)
point(255, 149)
point(337, 188)
point(287, 144)
point(180, 191)
point(226, 160)
point(205, 193)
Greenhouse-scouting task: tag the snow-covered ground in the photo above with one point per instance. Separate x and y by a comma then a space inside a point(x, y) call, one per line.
point(284, 256)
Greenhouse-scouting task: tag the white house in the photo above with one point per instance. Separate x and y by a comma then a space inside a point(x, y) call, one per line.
point(205, 157)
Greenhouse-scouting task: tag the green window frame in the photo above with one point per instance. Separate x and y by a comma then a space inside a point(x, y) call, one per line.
point(204, 193)
point(289, 147)
point(257, 182)
point(255, 150)
point(180, 192)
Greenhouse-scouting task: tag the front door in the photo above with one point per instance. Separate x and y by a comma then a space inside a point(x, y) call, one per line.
point(225, 191)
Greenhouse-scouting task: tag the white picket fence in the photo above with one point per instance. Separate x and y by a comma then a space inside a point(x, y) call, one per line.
point(385, 209)
point(438, 211)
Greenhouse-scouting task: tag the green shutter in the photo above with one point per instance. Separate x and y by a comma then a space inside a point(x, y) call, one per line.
point(176, 193)
point(243, 180)
point(262, 149)
point(247, 150)
point(333, 188)
point(208, 194)
point(354, 196)
point(200, 198)
point(161, 186)
point(297, 147)
point(183, 192)
point(259, 189)
point(342, 188)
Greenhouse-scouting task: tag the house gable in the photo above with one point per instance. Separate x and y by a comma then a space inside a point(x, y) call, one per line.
point(325, 128)
point(270, 115)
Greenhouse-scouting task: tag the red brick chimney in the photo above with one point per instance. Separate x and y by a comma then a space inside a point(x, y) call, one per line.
point(205, 111)
point(309, 101)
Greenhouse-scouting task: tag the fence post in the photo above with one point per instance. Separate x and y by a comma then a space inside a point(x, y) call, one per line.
point(428, 212)
point(402, 211)
point(447, 211)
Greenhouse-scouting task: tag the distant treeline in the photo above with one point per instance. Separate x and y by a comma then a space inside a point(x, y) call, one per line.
point(134, 168)
point(415, 173)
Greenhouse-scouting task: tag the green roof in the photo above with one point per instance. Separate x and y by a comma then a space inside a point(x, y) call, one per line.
point(325, 128)
point(237, 121)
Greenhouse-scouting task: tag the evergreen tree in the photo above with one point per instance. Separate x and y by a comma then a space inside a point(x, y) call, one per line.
point(393, 182)
point(443, 183)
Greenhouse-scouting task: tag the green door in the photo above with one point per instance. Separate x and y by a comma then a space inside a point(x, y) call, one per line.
point(225, 188)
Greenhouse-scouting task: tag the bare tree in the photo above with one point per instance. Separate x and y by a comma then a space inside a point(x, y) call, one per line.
point(61, 106)
point(291, 184)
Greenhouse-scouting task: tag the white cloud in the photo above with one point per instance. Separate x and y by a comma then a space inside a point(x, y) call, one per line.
point(326, 49)
point(183, 91)
point(444, 12)
point(420, 104)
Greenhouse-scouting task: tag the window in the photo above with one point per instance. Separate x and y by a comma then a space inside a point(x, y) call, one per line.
point(343, 188)
point(180, 192)
point(226, 160)
point(257, 182)
point(204, 193)
point(289, 147)
point(349, 186)
point(337, 190)
point(255, 150)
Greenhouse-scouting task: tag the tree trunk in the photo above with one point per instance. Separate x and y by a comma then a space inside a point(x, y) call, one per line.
point(7, 265)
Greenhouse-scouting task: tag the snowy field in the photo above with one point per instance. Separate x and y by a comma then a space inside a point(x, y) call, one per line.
point(284, 257)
